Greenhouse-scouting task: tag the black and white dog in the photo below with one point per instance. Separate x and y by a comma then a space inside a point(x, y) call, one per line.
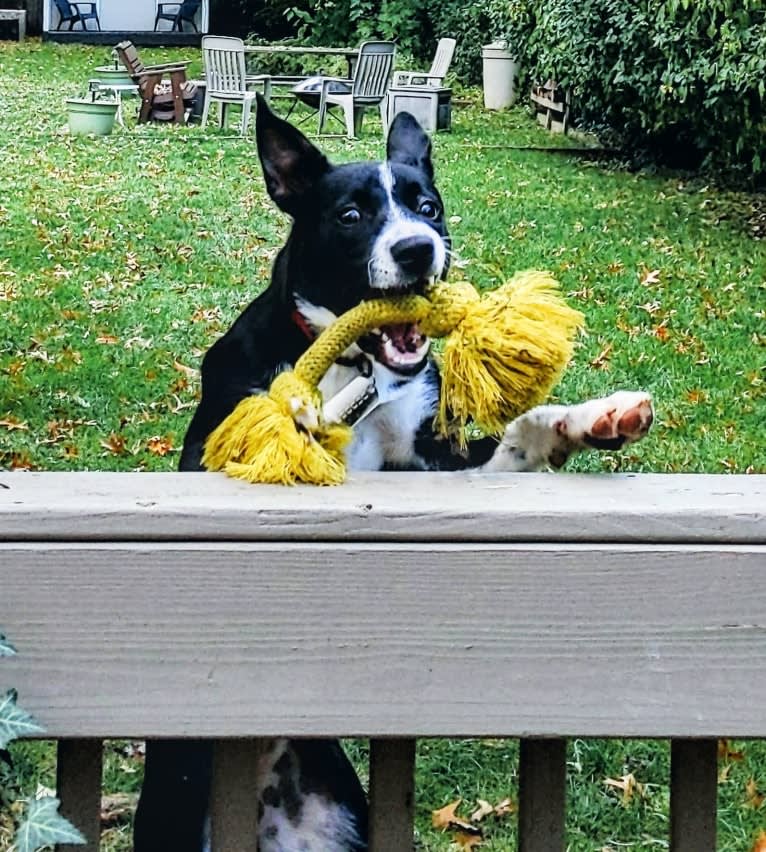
point(359, 230)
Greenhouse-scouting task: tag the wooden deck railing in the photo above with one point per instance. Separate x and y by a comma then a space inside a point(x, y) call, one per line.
point(191, 605)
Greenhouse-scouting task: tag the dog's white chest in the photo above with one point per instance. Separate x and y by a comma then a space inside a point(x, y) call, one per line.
point(386, 436)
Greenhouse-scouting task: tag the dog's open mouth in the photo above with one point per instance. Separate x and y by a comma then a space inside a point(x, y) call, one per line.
point(401, 346)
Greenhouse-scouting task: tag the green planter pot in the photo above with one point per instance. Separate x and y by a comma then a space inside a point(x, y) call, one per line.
point(108, 75)
point(87, 116)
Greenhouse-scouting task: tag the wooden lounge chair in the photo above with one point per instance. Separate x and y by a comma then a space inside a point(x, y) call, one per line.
point(166, 94)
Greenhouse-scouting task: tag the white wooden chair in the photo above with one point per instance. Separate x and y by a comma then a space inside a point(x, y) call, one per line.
point(445, 50)
point(368, 88)
point(226, 78)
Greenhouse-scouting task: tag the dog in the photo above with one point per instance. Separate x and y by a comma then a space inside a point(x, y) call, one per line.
point(359, 230)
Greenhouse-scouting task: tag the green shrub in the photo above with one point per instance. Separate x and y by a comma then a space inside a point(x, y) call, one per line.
point(682, 79)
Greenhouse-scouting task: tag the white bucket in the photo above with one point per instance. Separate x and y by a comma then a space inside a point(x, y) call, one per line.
point(500, 72)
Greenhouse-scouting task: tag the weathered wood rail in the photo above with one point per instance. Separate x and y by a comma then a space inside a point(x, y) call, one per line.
point(174, 605)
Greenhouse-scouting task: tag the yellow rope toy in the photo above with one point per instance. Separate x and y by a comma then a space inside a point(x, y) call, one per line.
point(503, 353)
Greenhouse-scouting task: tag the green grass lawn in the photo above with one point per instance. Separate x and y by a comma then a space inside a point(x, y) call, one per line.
point(123, 258)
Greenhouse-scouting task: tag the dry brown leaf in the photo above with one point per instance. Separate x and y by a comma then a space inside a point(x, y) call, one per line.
point(725, 752)
point(754, 798)
point(760, 843)
point(159, 446)
point(467, 840)
point(505, 807)
point(723, 774)
point(115, 444)
point(650, 277)
point(484, 809)
point(445, 816)
point(601, 360)
point(629, 786)
point(12, 424)
point(107, 339)
point(117, 807)
point(188, 371)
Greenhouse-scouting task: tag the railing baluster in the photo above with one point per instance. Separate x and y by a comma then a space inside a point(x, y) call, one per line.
point(542, 795)
point(233, 796)
point(78, 786)
point(392, 795)
point(693, 795)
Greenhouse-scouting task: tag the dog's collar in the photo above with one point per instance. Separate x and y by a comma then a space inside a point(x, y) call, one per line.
point(300, 321)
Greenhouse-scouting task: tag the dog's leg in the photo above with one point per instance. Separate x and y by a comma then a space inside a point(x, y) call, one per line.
point(549, 434)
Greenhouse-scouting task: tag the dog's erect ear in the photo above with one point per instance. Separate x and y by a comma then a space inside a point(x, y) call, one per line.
point(291, 164)
point(408, 143)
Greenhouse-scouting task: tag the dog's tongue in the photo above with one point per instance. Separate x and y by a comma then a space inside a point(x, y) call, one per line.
point(405, 336)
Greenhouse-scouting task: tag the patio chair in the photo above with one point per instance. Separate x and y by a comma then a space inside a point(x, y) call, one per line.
point(179, 13)
point(226, 78)
point(73, 13)
point(166, 94)
point(445, 50)
point(367, 88)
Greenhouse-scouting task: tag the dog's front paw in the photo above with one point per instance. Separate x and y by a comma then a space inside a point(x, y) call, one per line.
point(608, 423)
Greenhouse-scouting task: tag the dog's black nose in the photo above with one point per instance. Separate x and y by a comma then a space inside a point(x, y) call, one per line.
point(414, 255)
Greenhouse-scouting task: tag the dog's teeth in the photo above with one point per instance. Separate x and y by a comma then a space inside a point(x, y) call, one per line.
point(376, 331)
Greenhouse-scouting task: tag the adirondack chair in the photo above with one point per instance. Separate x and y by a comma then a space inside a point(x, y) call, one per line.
point(226, 78)
point(72, 13)
point(445, 50)
point(165, 92)
point(366, 89)
point(179, 12)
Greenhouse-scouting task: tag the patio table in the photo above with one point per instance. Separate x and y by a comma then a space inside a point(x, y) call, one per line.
point(349, 53)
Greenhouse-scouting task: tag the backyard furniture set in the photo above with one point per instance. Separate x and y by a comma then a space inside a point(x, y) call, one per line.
point(167, 95)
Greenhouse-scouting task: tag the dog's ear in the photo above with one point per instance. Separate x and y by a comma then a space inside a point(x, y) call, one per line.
point(291, 164)
point(408, 143)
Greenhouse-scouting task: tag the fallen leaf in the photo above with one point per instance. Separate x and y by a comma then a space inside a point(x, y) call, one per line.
point(725, 752)
point(601, 360)
point(115, 444)
point(159, 446)
point(467, 840)
point(754, 798)
point(446, 819)
point(629, 786)
point(188, 371)
point(505, 807)
point(760, 843)
point(107, 340)
point(484, 809)
point(445, 816)
point(14, 424)
point(652, 277)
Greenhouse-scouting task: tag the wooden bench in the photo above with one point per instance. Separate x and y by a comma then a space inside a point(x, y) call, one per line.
point(180, 605)
point(18, 15)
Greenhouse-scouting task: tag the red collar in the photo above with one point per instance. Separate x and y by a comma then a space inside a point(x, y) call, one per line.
point(297, 317)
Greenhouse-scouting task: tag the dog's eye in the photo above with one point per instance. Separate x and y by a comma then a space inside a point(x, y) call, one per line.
point(428, 209)
point(349, 216)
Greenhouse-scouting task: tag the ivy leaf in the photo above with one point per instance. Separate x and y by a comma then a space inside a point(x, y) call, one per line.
point(14, 722)
point(6, 649)
point(44, 826)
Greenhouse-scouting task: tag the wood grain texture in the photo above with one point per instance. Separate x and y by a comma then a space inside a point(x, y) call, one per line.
point(542, 795)
point(244, 639)
point(78, 786)
point(384, 507)
point(234, 795)
point(693, 795)
point(392, 795)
